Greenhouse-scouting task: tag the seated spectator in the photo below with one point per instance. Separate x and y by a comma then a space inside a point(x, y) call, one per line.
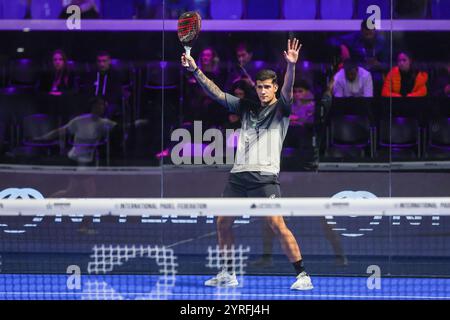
point(302, 118)
point(105, 83)
point(367, 47)
point(209, 61)
point(442, 83)
point(201, 107)
point(243, 69)
point(352, 81)
point(59, 79)
point(56, 87)
point(244, 89)
point(88, 8)
point(304, 104)
point(405, 80)
point(88, 130)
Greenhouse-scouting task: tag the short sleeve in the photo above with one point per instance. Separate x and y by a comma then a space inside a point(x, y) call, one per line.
point(232, 103)
point(285, 106)
point(238, 106)
point(71, 126)
point(108, 124)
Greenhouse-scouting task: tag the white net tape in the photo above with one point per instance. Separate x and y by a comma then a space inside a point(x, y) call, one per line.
point(229, 207)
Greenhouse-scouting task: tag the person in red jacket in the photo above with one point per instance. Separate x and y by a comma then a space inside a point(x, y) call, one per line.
point(404, 80)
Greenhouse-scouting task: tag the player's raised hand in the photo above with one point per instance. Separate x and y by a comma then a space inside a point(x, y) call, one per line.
point(188, 62)
point(293, 50)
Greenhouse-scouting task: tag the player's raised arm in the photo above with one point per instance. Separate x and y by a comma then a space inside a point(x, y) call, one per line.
point(291, 57)
point(210, 87)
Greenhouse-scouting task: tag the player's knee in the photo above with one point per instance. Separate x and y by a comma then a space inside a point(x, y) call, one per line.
point(277, 228)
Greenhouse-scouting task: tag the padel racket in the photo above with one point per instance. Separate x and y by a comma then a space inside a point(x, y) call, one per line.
point(189, 24)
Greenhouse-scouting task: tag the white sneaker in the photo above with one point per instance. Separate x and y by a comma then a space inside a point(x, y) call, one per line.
point(303, 282)
point(223, 279)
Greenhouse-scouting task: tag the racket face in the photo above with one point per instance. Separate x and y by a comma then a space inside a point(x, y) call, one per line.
point(189, 24)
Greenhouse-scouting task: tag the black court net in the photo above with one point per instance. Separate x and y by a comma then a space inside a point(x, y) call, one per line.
point(151, 246)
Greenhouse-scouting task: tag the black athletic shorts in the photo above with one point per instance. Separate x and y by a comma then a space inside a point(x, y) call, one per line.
point(252, 185)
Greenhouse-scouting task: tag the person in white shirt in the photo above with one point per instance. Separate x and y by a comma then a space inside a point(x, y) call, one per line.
point(352, 81)
point(88, 130)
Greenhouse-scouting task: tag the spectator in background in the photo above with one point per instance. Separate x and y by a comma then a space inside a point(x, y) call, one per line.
point(59, 79)
point(56, 87)
point(405, 80)
point(210, 62)
point(442, 82)
point(367, 47)
point(88, 8)
point(105, 83)
point(302, 116)
point(201, 106)
point(352, 81)
point(304, 104)
point(243, 69)
point(243, 88)
point(88, 130)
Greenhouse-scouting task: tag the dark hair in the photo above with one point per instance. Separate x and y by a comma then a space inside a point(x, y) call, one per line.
point(244, 85)
point(413, 66)
point(94, 102)
point(244, 45)
point(103, 54)
point(350, 65)
point(405, 52)
point(267, 74)
point(65, 72)
point(62, 53)
point(302, 83)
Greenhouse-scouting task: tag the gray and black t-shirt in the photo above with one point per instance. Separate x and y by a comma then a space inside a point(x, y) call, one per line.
point(262, 134)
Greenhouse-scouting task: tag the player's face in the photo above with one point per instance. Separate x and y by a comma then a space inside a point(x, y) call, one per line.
point(404, 63)
point(103, 63)
point(266, 91)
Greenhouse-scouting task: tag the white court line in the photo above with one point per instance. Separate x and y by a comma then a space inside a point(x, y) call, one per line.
point(240, 295)
point(209, 234)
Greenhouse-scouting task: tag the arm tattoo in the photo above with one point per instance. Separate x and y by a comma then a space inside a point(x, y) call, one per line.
point(210, 87)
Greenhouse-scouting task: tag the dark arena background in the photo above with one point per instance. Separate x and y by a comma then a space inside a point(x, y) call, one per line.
point(92, 93)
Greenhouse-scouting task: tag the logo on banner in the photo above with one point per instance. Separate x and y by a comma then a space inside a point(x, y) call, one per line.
point(353, 226)
point(21, 193)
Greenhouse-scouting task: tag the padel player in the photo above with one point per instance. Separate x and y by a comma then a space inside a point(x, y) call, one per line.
point(257, 164)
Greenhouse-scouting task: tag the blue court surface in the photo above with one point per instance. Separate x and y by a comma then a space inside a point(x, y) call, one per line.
point(185, 287)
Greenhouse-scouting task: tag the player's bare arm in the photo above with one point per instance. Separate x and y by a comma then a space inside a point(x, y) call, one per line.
point(210, 87)
point(291, 57)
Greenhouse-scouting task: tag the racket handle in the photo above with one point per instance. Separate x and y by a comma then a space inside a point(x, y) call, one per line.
point(188, 54)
